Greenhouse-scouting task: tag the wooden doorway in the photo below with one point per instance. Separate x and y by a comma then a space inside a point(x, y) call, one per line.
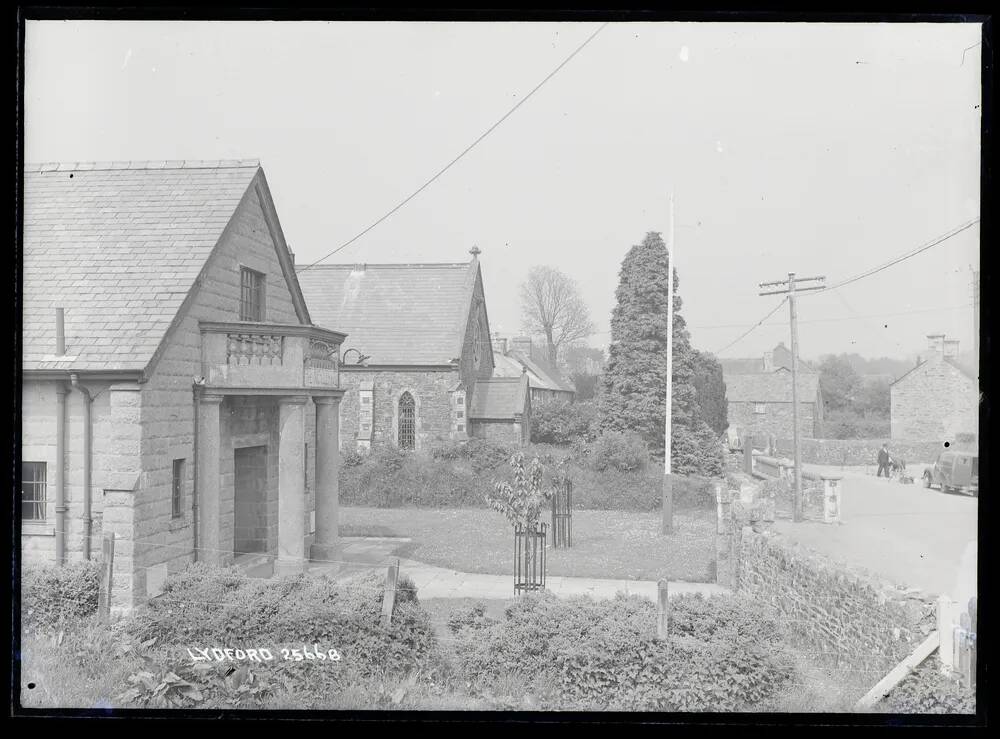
point(250, 503)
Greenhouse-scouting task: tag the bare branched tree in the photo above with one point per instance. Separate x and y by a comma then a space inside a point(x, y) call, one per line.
point(551, 306)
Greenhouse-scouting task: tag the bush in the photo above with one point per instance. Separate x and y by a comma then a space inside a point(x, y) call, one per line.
point(847, 424)
point(564, 423)
point(698, 452)
point(214, 606)
point(55, 597)
point(926, 690)
point(616, 450)
point(724, 653)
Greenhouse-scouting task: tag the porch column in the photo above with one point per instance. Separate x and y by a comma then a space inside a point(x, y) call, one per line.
point(291, 487)
point(327, 465)
point(209, 480)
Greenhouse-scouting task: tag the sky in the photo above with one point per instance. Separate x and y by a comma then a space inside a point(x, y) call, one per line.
point(819, 149)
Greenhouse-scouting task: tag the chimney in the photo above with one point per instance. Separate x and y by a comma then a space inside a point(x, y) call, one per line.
point(769, 361)
point(499, 344)
point(60, 333)
point(521, 344)
point(291, 254)
point(951, 348)
point(935, 342)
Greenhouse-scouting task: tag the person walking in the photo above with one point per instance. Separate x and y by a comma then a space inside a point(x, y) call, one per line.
point(883, 461)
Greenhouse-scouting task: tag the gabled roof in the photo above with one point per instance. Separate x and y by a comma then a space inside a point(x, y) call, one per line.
point(770, 387)
point(514, 363)
point(119, 246)
point(963, 366)
point(499, 398)
point(397, 314)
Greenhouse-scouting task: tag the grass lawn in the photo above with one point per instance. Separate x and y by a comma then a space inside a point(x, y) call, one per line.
point(606, 544)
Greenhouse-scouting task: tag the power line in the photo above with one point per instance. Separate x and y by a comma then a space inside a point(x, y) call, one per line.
point(900, 258)
point(748, 331)
point(464, 152)
point(855, 317)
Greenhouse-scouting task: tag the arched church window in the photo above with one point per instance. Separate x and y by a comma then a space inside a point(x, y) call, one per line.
point(407, 421)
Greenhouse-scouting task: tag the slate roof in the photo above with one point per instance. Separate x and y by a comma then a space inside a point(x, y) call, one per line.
point(397, 314)
point(539, 376)
point(499, 398)
point(770, 387)
point(962, 365)
point(118, 245)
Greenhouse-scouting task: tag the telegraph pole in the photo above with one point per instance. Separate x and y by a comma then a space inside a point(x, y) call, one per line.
point(668, 485)
point(789, 290)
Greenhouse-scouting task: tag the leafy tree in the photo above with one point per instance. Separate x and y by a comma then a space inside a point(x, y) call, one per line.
point(839, 381)
point(551, 306)
point(873, 398)
point(711, 391)
point(520, 500)
point(634, 390)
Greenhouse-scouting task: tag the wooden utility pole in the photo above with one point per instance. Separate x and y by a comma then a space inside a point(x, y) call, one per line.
point(789, 289)
point(668, 485)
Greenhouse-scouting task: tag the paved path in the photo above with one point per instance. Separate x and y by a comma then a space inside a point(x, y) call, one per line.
point(361, 555)
point(913, 535)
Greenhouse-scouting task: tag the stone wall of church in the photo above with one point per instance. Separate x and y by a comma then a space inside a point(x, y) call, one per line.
point(432, 392)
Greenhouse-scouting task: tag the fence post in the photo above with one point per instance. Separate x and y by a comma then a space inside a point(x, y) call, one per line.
point(107, 576)
point(974, 645)
point(389, 596)
point(946, 625)
point(662, 610)
point(967, 645)
point(748, 454)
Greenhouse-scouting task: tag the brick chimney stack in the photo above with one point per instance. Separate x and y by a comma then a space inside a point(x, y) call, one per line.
point(951, 348)
point(499, 344)
point(935, 342)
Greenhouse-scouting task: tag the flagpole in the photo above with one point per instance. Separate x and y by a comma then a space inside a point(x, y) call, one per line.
point(668, 492)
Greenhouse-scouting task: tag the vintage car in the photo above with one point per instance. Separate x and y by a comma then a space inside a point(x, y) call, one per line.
point(956, 472)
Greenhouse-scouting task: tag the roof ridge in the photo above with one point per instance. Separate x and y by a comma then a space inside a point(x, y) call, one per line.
point(352, 265)
point(41, 167)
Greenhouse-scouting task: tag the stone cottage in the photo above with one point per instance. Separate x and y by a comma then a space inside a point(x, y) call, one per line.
point(417, 369)
point(760, 403)
point(516, 356)
point(938, 400)
point(175, 389)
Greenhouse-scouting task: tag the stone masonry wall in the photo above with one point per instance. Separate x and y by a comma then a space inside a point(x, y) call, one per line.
point(857, 452)
point(38, 444)
point(502, 432)
point(431, 391)
point(776, 419)
point(850, 618)
point(935, 401)
point(168, 400)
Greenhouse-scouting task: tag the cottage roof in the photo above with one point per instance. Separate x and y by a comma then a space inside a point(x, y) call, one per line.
point(770, 387)
point(514, 363)
point(402, 314)
point(964, 366)
point(499, 398)
point(119, 246)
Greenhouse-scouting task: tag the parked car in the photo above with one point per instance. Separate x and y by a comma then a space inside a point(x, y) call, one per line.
point(956, 472)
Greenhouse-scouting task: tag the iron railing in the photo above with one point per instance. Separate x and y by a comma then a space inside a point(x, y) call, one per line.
point(562, 514)
point(529, 558)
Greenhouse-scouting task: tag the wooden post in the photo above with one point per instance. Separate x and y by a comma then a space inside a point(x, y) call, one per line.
point(945, 615)
point(107, 576)
point(662, 610)
point(389, 596)
point(973, 645)
point(748, 454)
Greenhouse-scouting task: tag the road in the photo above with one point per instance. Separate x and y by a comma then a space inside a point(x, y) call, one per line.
point(910, 534)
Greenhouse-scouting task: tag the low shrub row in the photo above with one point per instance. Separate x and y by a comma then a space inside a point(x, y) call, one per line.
point(461, 475)
point(53, 597)
point(723, 654)
point(926, 690)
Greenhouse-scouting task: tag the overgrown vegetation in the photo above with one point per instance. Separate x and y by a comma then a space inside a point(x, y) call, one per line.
point(613, 473)
point(927, 690)
point(52, 597)
point(856, 407)
point(723, 654)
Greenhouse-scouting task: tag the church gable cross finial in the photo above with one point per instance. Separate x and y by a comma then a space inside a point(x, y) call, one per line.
point(475, 251)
